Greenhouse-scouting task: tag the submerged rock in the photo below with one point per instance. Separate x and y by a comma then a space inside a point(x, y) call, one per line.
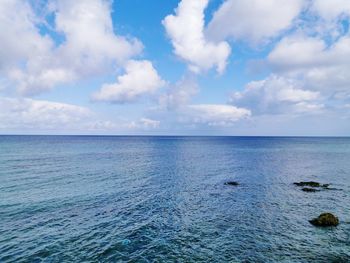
point(310, 183)
point(310, 186)
point(325, 219)
point(234, 183)
point(307, 189)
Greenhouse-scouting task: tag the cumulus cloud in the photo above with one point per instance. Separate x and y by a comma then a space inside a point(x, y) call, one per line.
point(36, 63)
point(32, 116)
point(253, 20)
point(91, 43)
point(20, 39)
point(296, 52)
point(214, 114)
point(277, 95)
point(301, 52)
point(331, 9)
point(39, 114)
point(140, 79)
point(310, 73)
point(320, 66)
point(186, 31)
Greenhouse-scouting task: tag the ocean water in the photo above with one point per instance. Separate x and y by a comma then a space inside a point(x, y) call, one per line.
point(163, 199)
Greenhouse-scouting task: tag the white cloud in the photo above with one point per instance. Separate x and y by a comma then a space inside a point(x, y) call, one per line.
point(310, 75)
point(253, 20)
point(20, 39)
point(296, 52)
point(140, 79)
point(38, 79)
point(300, 52)
point(277, 95)
point(320, 66)
point(214, 114)
point(39, 114)
point(306, 107)
point(331, 9)
point(186, 31)
point(89, 48)
point(91, 44)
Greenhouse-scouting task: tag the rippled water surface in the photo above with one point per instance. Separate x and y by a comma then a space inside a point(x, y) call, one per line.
point(163, 199)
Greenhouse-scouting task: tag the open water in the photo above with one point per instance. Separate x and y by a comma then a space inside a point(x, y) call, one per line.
point(163, 199)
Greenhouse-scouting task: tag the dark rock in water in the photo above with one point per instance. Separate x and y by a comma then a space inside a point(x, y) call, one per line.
point(307, 189)
point(325, 219)
point(310, 183)
point(232, 183)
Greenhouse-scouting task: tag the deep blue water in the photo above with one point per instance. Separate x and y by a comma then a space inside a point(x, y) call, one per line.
point(163, 199)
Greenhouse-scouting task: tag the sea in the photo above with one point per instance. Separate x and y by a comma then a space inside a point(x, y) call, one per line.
point(164, 199)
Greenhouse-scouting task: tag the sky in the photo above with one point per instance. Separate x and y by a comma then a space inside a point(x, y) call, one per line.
point(189, 67)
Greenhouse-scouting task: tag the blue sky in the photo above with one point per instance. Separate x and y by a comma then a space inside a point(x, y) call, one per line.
point(196, 67)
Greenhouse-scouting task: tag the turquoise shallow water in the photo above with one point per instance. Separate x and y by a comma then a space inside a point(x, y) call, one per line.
point(163, 199)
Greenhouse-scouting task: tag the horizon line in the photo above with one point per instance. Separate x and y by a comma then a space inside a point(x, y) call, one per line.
point(180, 135)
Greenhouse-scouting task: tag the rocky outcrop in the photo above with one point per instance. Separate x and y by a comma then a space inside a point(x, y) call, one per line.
point(325, 219)
point(310, 184)
point(233, 183)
